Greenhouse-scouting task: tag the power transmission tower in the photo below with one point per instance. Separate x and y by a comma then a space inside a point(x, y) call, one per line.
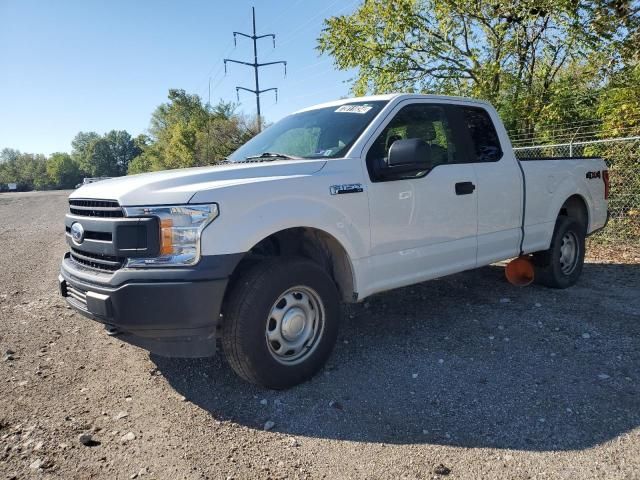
point(256, 66)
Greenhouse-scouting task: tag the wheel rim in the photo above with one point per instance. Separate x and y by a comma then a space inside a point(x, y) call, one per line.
point(569, 249)
point(295, 325)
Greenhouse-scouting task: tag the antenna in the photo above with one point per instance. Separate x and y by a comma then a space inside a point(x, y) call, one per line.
point(256, 65)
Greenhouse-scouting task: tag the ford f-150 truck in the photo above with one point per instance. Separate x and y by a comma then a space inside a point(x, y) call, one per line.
point(333, 203)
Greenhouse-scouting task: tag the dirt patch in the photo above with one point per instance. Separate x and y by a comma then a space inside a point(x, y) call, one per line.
point(464, 377)
point(628, 253)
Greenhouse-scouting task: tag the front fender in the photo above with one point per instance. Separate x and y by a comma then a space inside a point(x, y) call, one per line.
point(251, 212)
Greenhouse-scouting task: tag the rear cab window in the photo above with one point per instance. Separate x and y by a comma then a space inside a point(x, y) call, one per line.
point(454, 134)
point(483, 138)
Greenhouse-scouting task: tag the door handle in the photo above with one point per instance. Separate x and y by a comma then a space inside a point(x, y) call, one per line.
point(465, 188)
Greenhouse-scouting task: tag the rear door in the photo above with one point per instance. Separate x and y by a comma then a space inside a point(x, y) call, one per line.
point(499, 182)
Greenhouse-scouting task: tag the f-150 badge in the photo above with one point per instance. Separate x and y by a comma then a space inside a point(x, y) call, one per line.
point(346, 188)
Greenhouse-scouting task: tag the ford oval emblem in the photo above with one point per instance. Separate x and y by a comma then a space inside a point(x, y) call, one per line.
point(77, 233)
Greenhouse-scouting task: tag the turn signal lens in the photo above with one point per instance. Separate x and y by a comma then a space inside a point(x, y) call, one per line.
point(166, 236)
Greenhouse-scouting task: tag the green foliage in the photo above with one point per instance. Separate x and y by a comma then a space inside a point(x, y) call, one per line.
point(92, 155)
point(80, 146)
point(8, 155)
point(63, 171)
point(108, 155)
point(556, 70)
point(28, 170)
point(187, 133)
point(513, 54)
point(142, 163)
point(619, 105)
point(183, 133)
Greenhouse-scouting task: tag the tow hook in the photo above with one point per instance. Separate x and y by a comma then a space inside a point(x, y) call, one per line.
point(112, 331)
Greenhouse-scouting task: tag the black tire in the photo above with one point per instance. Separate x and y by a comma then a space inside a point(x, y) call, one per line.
point(246, 317)
point(551, 267)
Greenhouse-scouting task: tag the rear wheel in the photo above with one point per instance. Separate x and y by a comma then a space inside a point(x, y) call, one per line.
point(561, 265)
point(280, 322)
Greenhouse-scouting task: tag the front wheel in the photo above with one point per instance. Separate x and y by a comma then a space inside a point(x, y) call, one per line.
point(280, 322)
point(561, 265)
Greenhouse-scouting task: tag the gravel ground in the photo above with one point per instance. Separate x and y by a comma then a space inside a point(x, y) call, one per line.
point(465, 377)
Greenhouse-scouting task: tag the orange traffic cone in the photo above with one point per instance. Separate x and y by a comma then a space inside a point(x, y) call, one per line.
point(520, 272)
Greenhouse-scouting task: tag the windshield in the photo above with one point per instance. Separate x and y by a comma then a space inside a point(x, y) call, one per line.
point(320, 133)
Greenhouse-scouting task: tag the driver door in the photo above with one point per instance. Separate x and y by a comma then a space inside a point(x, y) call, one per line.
point(425, 226)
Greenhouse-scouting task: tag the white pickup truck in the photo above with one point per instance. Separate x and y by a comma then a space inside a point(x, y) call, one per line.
point(333, 203)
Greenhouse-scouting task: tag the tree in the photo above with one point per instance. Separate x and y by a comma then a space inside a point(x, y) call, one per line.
point(26, 169)
point(509, 53)
point(81, 145)
point(141, 164)
point(33, 171)
point(9, 155)
point(224, 133)
point(122, 148)
point(142, 141)
point(175, 126)
point(105, 156)
point(619, 103)
point(187, 133)
point(63, 171)
point(8, 171)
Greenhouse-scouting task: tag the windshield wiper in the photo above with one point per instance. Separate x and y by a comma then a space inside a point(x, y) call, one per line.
point(266, 156)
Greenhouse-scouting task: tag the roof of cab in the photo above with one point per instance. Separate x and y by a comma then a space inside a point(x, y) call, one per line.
point(393, 96)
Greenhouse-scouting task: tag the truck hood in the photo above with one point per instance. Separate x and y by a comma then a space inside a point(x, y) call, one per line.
point(172, 187)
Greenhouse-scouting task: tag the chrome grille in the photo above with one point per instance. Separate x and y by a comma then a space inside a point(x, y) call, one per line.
point(96, 208)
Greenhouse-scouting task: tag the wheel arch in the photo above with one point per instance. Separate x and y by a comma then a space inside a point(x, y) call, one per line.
point(576, 207)
point(309, 242)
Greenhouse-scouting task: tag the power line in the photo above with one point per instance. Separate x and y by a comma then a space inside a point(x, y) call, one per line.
point(290, 8)
point(293, 34)
point(315, 64)
point(313, 94)
point(201, 83)
point(228, 47)
point(256, 65)
point(305, 78)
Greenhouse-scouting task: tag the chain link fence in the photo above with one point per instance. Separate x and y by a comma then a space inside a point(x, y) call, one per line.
point(623, 159)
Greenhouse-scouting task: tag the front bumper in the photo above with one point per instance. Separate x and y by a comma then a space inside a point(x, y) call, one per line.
point(173, 312)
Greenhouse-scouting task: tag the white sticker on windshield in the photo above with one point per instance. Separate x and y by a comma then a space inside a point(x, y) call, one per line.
point(354, 108)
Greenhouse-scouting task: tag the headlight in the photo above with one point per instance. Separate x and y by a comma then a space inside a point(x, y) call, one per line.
point(180, 229)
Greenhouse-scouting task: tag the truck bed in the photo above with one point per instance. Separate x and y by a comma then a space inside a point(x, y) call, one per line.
point(549, 180)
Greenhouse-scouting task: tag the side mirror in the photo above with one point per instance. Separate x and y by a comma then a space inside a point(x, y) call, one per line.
point(408, 157)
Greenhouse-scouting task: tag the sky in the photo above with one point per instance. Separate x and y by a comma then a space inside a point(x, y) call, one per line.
point(100, 65)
